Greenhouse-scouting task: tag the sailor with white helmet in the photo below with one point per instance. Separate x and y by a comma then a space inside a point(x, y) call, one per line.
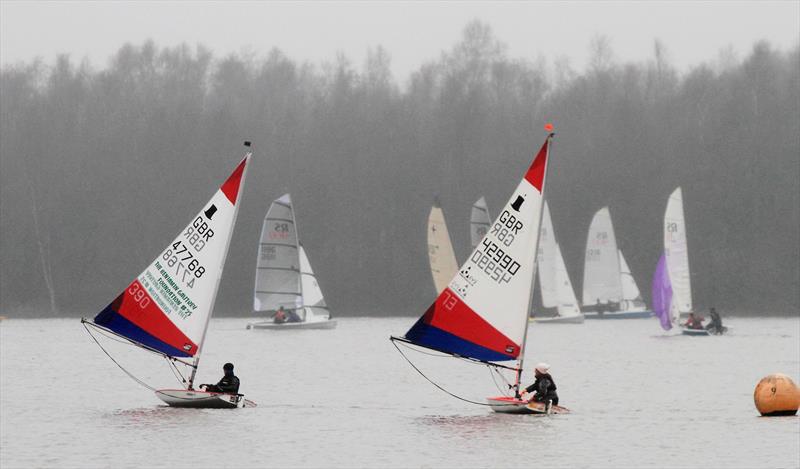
point(544, 388)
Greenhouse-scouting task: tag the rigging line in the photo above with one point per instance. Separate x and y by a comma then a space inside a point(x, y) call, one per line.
point(441, 388)
point(178, 375)
point(115, 362)
point(501, 390)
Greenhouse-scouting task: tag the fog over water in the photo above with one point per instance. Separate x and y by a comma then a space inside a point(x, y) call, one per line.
point(103, 161)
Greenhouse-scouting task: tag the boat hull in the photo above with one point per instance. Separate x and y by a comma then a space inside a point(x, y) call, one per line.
point(326, 324)
point(560, 320)
point(619, 315)
point(695, 332)
point(509, 405)
point(202, 399)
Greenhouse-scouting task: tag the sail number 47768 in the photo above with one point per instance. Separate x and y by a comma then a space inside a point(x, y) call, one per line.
point(191, 269)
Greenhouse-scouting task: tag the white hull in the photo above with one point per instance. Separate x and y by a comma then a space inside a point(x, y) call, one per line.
point(325, 324)
point(694, 332)
point(509, 405)
point(618, 315)
point(559, 320)
point(202, 399)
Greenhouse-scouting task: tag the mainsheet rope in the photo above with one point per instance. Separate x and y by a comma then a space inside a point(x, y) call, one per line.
point(117, 363)
point(440, 387)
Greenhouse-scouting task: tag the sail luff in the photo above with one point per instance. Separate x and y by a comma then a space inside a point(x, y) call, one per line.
point(299, 265)
point(535, 253)
point(236, 205)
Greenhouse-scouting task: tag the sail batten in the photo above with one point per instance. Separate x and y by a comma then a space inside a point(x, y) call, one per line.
point(482, 314)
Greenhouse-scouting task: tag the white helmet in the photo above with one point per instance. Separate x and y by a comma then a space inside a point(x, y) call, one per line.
point(542, 368)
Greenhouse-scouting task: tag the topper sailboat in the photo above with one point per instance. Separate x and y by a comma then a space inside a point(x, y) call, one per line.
point(167, 308)
point(554, 284)
point(286, 288)
point(605, 282)
point(482, 315)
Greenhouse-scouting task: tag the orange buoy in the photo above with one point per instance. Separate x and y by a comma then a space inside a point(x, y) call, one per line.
point(777, 395)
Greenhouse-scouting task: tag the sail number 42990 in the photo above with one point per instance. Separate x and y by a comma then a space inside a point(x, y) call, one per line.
point(499, 265)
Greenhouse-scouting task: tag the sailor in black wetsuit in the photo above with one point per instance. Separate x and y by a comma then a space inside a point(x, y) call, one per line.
point(228, 384)
point(544, 386)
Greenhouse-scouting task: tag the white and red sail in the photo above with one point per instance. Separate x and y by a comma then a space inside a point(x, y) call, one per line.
point(168, 306)
point(483, 313)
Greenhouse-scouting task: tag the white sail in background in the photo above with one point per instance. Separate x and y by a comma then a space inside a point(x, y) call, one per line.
point(630, 291)
point(440, 250)
point(567, 302)
point(313, 301)
point(479, 222)
point(676, 252)
point(278, 264)
point(601, 273)
point(547, 261)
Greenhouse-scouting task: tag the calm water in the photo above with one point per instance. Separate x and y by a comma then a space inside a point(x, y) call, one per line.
point(347, 398)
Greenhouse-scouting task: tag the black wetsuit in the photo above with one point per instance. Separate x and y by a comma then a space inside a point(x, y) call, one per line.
point(228, 384)
point(545, 389)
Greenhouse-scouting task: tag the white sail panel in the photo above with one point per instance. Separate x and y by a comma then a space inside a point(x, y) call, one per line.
point(440, 250)
point(483, 313)
point(601, 275)
point(547, 262)
point(479, 222)
point(567, 302)
point(278, 264)
point(676, 252)
point(168, 306)
point(630, 291)
point(313, 301)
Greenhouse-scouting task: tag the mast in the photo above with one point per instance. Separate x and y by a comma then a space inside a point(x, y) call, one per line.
point(299, 266)
point(196, 361)
point(533, 278)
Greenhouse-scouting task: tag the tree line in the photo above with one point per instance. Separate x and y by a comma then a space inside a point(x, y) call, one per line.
point(101, 168)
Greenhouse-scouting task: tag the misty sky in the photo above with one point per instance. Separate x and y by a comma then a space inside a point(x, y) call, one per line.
point(413, 32)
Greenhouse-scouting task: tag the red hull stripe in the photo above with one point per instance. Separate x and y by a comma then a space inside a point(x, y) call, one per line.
point(231, 187)
point(151, 319)
point(452, 315)
point(535, 174)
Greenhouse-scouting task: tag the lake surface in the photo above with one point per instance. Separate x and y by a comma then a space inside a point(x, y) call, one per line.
point(345, 397)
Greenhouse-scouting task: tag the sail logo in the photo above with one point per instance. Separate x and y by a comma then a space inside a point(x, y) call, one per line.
point(518, 203)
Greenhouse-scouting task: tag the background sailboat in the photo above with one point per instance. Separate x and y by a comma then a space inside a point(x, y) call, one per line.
point(606, 276)
point(482, 315)
point(479, 222)
point(167, 308)
point(554, 283)
point(284, 277)
point(440, 250)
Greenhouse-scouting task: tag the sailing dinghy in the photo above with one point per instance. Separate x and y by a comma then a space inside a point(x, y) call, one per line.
point(284, 277)
point(672, 285)
point(603, 277)
point(482, 315)
point(167, 308)
point(554, 284)
point(440, 249)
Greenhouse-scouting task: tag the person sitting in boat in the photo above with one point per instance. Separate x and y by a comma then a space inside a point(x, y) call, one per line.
point(544, 388)
point(280, 316)
point(694, 322)
point(229, 383)
point(715, 325)
point(292, 316)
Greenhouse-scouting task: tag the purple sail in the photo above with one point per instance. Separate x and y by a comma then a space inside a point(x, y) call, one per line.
point(662, 293)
